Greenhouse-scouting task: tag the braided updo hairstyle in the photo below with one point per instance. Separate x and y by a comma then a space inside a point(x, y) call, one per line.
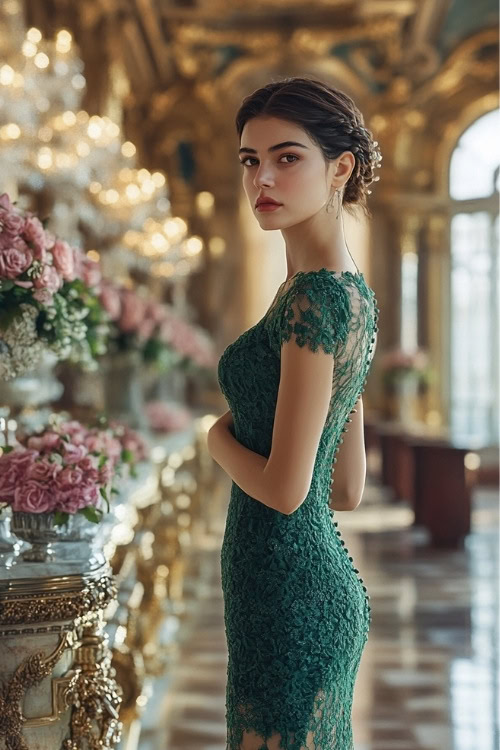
point(331, 119)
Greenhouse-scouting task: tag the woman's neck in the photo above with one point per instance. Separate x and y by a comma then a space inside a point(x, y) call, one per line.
point(317, 243)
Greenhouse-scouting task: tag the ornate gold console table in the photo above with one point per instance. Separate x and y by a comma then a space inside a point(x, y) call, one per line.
point(57, 687)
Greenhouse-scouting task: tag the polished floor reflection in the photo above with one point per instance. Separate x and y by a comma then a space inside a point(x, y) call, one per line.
point(428, 678)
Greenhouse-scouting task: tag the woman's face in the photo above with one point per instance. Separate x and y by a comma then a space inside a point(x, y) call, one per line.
point(281, 162)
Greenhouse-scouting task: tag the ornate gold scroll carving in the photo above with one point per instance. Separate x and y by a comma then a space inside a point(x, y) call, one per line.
point(29, 673)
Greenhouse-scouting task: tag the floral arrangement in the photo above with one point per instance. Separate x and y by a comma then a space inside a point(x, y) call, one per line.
point(397, 364)
point(153, 329)
point(68, 468)
point(134, 447)
point(48, 297)
point(167, 417)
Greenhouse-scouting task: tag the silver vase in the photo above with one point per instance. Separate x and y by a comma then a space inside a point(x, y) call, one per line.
point(34, 388)
point(77, 539)
point(38, 529)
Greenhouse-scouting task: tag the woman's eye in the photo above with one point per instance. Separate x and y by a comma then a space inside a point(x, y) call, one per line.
point(290, 159)
point(285, 156)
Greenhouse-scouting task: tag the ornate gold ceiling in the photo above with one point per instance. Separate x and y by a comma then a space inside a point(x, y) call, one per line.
point(215, 40)
point(412, 67)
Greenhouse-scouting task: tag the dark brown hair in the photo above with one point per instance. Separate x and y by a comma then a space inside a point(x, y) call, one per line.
point(331, 119)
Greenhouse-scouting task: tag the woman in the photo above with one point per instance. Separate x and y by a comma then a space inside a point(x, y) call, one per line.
point(296, 612)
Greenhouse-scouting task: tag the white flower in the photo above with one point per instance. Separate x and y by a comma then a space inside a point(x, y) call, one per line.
point(20, 347)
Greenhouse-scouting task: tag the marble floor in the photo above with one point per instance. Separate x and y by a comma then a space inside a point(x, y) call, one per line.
point(428, 678)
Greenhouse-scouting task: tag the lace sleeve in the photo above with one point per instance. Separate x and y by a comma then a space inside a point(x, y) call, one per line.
point(315, 313)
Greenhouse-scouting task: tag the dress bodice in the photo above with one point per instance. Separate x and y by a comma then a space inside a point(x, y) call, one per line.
point(330, 310)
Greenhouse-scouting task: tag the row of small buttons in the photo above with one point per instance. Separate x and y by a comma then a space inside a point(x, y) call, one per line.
point(367, 596)
point(353, 410)
point(344, 429)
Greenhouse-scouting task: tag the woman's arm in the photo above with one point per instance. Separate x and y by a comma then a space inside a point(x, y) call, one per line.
point(349, 473)
point(244, 466)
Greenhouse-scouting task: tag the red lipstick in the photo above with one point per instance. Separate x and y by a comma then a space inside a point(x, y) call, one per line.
point(265, 203)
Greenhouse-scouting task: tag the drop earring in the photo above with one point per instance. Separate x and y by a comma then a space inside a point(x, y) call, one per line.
point(338, 191)
point(329, 205)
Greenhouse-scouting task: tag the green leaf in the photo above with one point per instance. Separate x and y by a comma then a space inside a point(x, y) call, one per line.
point(127, 456)
point(91, 514)
point(7, 448)
point(60, 518)
point(104, 495)
point(102, 461)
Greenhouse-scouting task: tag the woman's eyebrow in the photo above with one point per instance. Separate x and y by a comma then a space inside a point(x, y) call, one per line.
point(285, 144)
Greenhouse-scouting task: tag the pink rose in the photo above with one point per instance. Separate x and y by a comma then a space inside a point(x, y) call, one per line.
point(75, 429)
point(13, 466)
point(91, 272)
point(69, 477)
point(46, 441)
point(132, 444)
point(110, 300)
point(50, 440)
point(88, 467)
point(43, 471)
point(94, 443)
point(111, 447)
point(106, 473)
point(91, 494)
point(64, 260)
point(21, 458)
point(11, 223)
point(43, 296)
point(34, 234)
point(33, 497)
point(9, 479)
point(35, 442)
point(5, 202)
point(69, 500)
point(14, 260)
point(104, 442)
point(49, 280)
point(132, 312)
point(73, 453)
point(74, 499)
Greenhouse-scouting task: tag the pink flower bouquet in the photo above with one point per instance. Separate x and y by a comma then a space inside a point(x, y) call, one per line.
point(154, 329)
point(48, 296)
point(66, 469)
point(167, 417)
point(134, 447)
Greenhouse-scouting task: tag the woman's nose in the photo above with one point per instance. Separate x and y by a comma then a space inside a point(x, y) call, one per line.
point(263, 177)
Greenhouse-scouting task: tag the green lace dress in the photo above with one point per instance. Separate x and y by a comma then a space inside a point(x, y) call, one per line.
point(296, 611)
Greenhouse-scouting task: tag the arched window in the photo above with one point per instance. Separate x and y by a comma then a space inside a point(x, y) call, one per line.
point(474, 315)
